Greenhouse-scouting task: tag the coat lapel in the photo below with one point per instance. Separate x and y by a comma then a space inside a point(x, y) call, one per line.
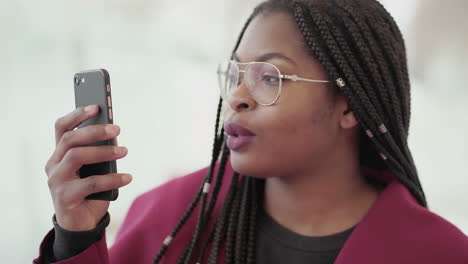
point(380, 237)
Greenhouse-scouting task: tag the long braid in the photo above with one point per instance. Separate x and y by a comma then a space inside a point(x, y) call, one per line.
point(395, 56)
point(387, 58)
point(218, 183)
point(345, 48)
point(215, 153)
point(216, 189)
point(325, 60)
point(232, 227)
point(367, 28)
point(356, 29)
point(355, 25)
point(202, 218)
point(241, 223)
point(222, 224)
point(185, 257)
point(364, 53)
point(409, 172)
point(358, 71)
point(316, 49)
point(251, 247)
point(392, 57)
point(406, 93)
point(337, 56)
point(207, 241)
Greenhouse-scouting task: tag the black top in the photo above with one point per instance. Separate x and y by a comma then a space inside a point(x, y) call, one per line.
point(277, 244)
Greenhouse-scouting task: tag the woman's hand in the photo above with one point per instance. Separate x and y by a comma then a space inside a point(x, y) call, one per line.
point(73, 212)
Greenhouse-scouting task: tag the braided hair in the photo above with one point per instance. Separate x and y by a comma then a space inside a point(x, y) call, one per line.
point(362, 49)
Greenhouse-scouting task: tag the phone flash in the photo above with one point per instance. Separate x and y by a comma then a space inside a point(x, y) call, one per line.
point(82, 80)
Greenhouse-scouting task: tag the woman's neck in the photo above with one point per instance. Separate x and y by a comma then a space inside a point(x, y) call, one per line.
point(320, 203)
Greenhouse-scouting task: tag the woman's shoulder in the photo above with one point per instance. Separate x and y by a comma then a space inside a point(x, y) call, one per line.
point(414, 230)
point(427, 223)
point(397, 208)
point(397, 229)
point(439, 232)
point(435, 238)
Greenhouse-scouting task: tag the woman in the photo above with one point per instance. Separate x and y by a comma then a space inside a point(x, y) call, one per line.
point(311, 164)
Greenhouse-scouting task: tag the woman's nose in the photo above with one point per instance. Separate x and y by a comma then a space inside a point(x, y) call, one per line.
point(240, 99)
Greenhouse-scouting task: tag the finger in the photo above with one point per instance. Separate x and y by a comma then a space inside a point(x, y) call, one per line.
point(76, 190)
point(97, 183)
point(83, 136)
point(73, 119)
point(75, 158)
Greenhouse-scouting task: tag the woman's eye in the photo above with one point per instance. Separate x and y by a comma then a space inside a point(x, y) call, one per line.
point(271, 79)
point(232, 77)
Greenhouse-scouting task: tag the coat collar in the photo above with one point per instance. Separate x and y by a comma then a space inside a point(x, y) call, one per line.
point(380, 236)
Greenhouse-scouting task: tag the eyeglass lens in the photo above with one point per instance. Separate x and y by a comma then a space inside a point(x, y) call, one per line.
point(263, 80)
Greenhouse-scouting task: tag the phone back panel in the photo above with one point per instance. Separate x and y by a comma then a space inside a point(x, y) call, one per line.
point(93, 87)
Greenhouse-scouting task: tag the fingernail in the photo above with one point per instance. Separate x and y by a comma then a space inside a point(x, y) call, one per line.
point(121, 150)
point(112, 129)
point(89, 109)
point(126, 178)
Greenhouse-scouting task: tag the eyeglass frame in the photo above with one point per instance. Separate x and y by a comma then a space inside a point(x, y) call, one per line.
point(293, 77)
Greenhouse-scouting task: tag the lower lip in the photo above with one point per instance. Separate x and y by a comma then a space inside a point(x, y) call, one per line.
point(236, 143)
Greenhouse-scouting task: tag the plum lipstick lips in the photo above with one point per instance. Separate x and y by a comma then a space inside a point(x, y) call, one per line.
point(239, 136)
point(236, 143)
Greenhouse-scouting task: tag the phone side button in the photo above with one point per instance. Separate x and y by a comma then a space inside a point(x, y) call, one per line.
point(109, 102)
point(110, 113)
point(108, 88)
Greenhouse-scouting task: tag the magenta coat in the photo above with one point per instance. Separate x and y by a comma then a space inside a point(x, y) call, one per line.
point(396, 229)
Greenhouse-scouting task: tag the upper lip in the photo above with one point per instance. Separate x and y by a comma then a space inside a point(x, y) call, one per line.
point(234, 129)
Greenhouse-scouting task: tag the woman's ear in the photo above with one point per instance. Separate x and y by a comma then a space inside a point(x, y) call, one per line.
point(348, 120)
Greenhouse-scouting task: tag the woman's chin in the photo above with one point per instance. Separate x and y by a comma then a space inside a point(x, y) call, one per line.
point(247, 166)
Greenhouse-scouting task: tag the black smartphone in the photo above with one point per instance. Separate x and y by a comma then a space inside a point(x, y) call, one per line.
point(93, 87)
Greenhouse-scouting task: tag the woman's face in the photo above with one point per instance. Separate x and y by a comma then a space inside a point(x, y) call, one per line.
point(297, 134)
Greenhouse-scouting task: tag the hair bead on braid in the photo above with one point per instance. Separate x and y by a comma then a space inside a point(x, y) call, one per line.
point(382, 128)
point(383, 156)
point(206, 187)
point(340, 82)
point(168, 240)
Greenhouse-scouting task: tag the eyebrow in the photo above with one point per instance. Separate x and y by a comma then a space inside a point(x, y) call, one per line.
point(268, 56)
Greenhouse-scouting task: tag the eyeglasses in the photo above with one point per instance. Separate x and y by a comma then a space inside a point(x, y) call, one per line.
point(263, 79)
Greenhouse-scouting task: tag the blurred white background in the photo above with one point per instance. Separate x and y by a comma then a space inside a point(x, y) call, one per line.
point(162, 58)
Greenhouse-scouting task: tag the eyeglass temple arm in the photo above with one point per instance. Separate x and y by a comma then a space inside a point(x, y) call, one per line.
point(297, 78)
point(291, 77)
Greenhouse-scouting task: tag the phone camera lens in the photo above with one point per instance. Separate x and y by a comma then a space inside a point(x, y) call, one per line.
point(79, 80)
